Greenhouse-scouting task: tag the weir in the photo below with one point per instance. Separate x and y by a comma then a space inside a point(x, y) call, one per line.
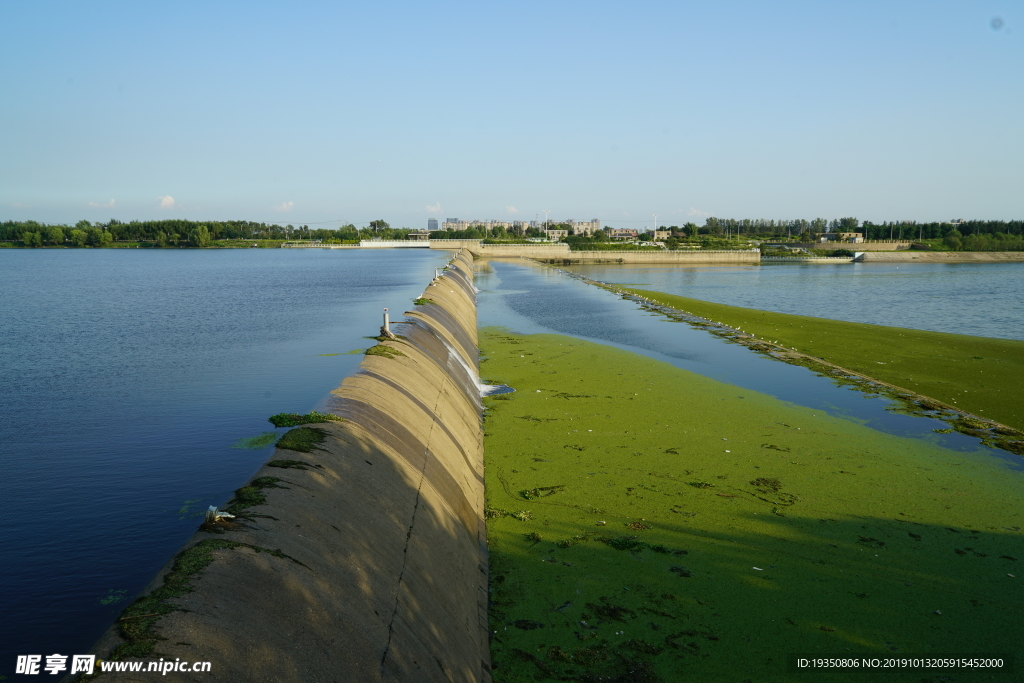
point(366, 559)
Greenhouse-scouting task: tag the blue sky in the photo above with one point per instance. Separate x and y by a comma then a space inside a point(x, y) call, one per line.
point(320, 113)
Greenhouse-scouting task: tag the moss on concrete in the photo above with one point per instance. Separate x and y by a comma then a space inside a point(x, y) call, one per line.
point(384, 351)
point(252, 494)
point(804, 532)
point(302, 439)
point(292, 464)
point(137, 620)
point(295, 419)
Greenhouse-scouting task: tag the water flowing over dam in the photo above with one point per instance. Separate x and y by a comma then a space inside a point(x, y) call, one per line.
point(363, 559)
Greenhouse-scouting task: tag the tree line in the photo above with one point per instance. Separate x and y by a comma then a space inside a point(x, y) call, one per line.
point(905, 230)
point(175, 233)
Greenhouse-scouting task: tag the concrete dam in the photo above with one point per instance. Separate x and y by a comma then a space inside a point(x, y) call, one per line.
point(363, 559)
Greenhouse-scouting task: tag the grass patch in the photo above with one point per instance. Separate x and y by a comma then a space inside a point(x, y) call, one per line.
point(295, 419)
point(256, 442)
point(768, 552)
point(980, 375)
point(422, 301)
point(302, 439)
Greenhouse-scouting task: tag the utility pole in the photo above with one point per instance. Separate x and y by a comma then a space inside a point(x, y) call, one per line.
point(546, 211)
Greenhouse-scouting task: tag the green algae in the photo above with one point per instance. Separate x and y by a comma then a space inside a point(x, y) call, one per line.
point(295, 419)
point(137, 620)
point(383, 351)
point(256, 442)
point(252, 494)
point(979, 375)
point(805, 532)
point(302, 439)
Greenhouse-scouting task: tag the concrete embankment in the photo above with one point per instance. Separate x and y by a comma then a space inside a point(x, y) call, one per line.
point(653, 257)
point(560, 253)
point(942, 256)
point(362, 560)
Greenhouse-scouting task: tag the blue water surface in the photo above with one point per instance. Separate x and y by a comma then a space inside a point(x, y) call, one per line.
point(127, 376)
point(979, 299)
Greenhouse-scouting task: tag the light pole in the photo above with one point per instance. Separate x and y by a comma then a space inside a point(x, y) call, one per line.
point(546, 211)
point(655, 226)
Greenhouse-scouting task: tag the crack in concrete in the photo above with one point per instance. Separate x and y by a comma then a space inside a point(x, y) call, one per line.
point(408, 535)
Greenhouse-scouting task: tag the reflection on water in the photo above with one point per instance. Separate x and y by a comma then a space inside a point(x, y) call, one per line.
point(979, 299)
point(530, 299)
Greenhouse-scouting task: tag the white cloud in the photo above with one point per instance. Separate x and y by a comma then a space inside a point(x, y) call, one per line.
point(511, 209)
point(166, 202)
point(108, 205)
point(436, 208)
point(697, 212)
point(283, 207)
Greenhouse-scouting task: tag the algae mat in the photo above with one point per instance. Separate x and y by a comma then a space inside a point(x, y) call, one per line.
point(650, 524)
point(981, 375)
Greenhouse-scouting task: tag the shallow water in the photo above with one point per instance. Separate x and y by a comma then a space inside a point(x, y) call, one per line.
point(128, 377)
point(531, 299)
point(979, 299)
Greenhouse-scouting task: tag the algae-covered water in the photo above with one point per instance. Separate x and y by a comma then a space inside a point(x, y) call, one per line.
point(648, 523)
point(699, 512)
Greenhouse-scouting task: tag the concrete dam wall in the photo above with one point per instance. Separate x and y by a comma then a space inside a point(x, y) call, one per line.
point(364, 559)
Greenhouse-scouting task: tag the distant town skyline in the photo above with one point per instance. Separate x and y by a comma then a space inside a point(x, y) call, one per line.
point(739, 109)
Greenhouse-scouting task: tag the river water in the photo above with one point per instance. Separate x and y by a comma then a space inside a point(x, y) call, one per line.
point(979, 299)
point(128, 375)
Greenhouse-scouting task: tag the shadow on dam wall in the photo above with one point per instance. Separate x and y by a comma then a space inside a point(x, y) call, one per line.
point(366, 562)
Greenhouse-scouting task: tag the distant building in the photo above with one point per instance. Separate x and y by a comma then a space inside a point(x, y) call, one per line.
point(431, 224)
point(586, 228)
point(622, 234)
point(556, 234)
point(840, 237)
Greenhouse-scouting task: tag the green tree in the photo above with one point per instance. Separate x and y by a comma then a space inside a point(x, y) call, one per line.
point(161, 238)
point(79, 237)
point(953, 241)
point(200, 237)
point(379, 225)
point(55, 235)
point(32, 239)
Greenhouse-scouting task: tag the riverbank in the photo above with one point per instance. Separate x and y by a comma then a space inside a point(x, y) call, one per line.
point(978, 375)
point(653, 523)
point(941, 256)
